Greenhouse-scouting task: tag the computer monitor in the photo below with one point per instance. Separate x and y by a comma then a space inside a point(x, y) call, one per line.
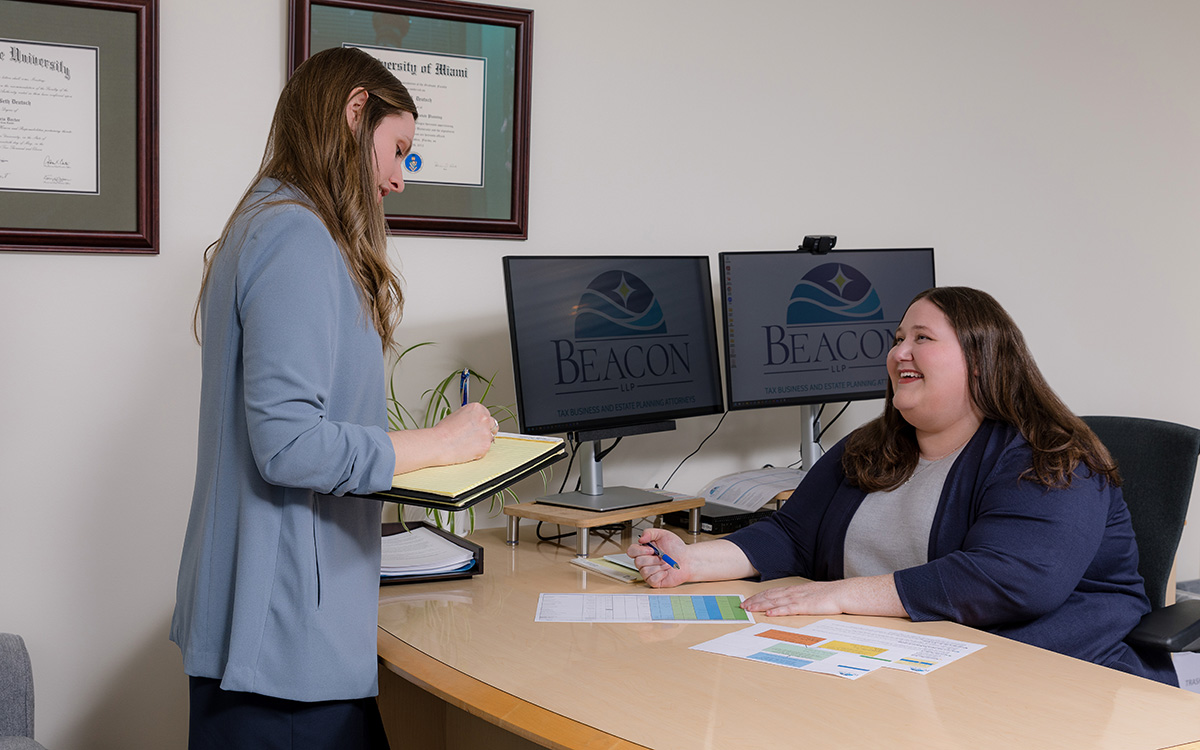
point(609, 346)
point(803, 328)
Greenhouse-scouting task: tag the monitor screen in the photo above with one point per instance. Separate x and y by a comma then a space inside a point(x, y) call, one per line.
point(611, 341)
point(802, 328)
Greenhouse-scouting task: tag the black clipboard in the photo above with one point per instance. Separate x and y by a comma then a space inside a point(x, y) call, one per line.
point(397, 528)
point(476, 494)
point(473, 496)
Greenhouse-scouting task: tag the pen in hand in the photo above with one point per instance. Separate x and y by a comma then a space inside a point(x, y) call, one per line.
point(658, 552)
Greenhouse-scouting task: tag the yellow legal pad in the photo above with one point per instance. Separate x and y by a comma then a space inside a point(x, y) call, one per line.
point(510, 459)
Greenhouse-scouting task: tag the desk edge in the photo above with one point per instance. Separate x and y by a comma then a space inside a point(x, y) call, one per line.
point(495, 706)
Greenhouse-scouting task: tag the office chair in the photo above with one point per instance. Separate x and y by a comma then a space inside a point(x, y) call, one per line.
point(1157, 461)
point(16, 695)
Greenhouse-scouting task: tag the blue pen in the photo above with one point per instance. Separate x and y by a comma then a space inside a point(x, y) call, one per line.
point(464, 385)
point(658, 552)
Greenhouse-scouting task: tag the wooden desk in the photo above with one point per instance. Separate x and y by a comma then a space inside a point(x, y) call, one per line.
point(475, 670)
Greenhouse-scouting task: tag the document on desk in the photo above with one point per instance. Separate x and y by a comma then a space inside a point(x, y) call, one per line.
point(641, 608)
point(929, 652)
point(806, 649)
point(839, 648)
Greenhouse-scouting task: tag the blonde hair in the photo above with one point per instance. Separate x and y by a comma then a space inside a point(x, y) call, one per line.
point(312, 148)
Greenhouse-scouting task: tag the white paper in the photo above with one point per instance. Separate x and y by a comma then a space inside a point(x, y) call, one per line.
point(623, 560)
point(49, 117)
point(450, 93)
point(810, 649)
point(928, 652)
point(751, 490)
point(420, 551)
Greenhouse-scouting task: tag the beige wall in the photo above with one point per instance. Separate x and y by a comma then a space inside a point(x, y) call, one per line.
point(1049, 151)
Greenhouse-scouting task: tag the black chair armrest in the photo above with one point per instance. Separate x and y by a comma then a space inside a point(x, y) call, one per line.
point(1175, 628)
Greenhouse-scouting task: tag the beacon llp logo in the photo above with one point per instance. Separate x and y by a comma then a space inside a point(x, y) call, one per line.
point(622, 339)
point(834, 293)
point(616, 304)
point(835, 321)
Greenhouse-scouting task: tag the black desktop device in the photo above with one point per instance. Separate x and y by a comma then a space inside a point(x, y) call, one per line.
point(717, 519)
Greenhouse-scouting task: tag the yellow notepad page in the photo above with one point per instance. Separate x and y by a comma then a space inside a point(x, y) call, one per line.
point(508, 453)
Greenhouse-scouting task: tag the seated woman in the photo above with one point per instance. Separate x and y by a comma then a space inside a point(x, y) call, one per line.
point(976, 497)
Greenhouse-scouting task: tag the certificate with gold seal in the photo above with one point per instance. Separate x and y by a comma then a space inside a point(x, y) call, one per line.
point(449, 93)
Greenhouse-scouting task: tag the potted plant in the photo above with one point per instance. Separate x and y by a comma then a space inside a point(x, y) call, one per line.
point(435, 403)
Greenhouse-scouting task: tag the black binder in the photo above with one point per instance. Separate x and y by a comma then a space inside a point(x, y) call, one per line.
point(474, 570)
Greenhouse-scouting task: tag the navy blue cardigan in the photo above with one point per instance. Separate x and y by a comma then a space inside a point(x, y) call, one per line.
point(1052, 568)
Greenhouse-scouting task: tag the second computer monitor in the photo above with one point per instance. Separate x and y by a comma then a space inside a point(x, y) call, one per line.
point(803, 328)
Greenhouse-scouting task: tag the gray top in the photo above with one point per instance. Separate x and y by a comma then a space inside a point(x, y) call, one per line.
point(890, 530)
point(278, 590)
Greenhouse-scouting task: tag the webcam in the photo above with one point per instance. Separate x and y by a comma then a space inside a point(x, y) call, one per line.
point(818, 244)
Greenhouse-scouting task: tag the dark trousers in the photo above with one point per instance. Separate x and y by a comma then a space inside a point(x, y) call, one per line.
point(225, 720)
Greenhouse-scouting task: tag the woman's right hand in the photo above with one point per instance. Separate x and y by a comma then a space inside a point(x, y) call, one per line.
point(466, 433)
point(657, 572)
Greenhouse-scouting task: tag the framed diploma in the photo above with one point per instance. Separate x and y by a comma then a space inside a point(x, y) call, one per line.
point(467, 67)
point(78, 126)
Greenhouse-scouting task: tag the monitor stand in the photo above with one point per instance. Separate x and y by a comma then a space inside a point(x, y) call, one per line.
point(809, 429)
point(593, 495)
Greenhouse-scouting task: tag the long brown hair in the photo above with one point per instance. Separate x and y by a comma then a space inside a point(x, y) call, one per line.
point(313, 149)
point(1005, 385)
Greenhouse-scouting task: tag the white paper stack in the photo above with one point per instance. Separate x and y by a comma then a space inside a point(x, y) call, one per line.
point(751, 490)
point(420, 552)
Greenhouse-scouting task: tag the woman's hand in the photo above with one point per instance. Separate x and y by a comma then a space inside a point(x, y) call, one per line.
point(718, 560)
point(657, 572)
point(812, 598)
point(871, 595)
point(464, 435)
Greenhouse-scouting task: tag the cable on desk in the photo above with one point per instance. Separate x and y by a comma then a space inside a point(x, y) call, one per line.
point(698, 447)
point(541, 538)
point(570, 461)
point(608, 528)
point(826, 427)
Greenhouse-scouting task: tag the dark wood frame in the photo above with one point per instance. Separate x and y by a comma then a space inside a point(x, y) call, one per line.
point(144, 238)
point(516, 226)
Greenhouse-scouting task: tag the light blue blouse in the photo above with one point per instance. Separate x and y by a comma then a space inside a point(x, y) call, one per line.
point(279, 578)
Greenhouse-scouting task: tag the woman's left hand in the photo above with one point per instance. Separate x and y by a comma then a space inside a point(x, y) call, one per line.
point(870, 595)
point(812, 598)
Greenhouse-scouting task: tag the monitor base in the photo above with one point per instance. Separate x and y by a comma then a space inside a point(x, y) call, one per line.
point(612, 498)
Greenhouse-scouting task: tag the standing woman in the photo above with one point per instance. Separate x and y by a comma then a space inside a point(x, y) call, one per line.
point(277, 599)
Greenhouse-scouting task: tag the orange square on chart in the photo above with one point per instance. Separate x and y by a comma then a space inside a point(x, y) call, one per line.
point(780, 635)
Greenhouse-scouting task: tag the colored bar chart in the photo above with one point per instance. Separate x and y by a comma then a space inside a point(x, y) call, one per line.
point(726, 608)
point(675, 607)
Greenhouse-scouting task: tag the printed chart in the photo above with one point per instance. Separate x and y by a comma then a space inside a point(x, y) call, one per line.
point(838, 648)
point(641, 608)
